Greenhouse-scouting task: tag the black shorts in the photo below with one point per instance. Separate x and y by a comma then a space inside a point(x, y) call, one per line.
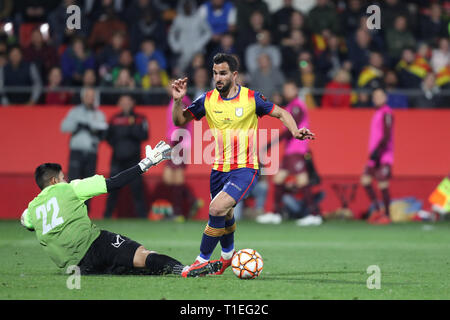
point(110, 253)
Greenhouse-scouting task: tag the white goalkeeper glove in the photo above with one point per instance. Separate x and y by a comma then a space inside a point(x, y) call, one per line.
point(154, 156)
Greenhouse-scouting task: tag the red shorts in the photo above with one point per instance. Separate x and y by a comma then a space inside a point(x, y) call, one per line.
point(382, 173)
point(294, 163)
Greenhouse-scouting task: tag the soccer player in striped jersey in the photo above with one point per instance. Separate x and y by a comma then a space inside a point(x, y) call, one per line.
point(59, 218)
point(232, 113)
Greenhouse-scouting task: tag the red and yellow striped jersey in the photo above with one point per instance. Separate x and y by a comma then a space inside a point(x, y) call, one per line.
point(234, 124)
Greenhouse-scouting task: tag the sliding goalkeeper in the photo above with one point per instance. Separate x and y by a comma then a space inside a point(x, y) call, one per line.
point(59, 217)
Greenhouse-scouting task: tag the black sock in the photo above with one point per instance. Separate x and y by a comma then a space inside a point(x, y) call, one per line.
point(386, 200)
point(372, 196)
point(160, 264)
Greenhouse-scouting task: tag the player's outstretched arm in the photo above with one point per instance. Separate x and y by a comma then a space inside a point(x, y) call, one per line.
point(152, 158)
point(291, 125)
point(179, 116)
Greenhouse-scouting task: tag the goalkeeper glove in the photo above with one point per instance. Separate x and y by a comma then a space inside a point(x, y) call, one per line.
point(154, 156)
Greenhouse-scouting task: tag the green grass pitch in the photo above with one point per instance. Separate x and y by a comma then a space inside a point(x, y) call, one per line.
point(325, 262)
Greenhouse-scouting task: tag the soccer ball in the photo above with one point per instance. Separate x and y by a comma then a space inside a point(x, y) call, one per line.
point(247, 264)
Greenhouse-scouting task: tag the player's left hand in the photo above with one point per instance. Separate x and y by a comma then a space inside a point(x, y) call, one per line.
point(154, 156)
point(304, 134)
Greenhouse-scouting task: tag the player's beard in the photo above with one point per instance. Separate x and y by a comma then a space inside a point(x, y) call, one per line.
point(225, 87)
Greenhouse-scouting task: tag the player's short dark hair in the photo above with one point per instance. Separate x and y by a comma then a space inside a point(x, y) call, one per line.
point(232, 61)
point(45, 172)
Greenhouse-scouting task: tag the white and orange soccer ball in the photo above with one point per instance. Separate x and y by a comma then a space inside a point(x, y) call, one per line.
point(247, 264)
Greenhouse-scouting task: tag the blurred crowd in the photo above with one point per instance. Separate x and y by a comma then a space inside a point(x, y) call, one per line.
point(138, 46)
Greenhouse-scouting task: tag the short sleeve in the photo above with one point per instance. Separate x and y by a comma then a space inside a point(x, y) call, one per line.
point(89, 187)
point(263, 106)
point(197, 108)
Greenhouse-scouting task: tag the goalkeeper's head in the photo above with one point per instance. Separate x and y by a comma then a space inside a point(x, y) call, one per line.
point(48, 174)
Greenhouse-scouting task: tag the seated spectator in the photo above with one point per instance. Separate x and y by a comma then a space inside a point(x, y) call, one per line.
point(267, 78)
point(155, 76)
point(108, 58)
point(225, 45)
point(43, 55)
point(198, 61)
point(123, 84)
point(102, 31)
point(54, 95)
point(391, 9)
point(263, 45)
point(134, 10)
point(323, 17)
point(245, 9)
point(57, 19)
point(281, 20)
point(350, 18)
point(149, 52)
point(221, 17)
point(248, 35)
point(430, 95)
point(398, 38)
point(395, 99)
point(359, 48)
point(32, 11)
point(432, 25)
point(290, 49)
point(296, 22)
point(188, 35)
point(75, 60)
point(125, 62)
point(20, 73)
point(332, 59)
point(440, 57)
point(148, 26)
point(371, 77)
point(411, 69)
point(201, 82)
point(338, 100)
point(306, 79)
point(89, 80)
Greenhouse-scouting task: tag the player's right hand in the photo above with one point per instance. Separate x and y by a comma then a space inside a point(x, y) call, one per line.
point(179, 88)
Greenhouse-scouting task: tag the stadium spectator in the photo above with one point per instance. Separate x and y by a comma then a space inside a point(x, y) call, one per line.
point(432, 26)
point(57, 20)
point(397, 38)
point(296, 22)
point(372, 75)
point(281, 20)
point(359, 48)
point(323, 17)
point(188, 34)
point(391, 9)
point(201, 81)
point(221, 17)
point(42, 54)
point(306, 79)
point(429, 96)
point(338, 100)
point(198, 61)
point(74, 62)
point(440, 57)
point(97, 9)
point(87, 126)
point(350, 18)
point(124, 83)
point(33, 11)
point(247, 36)
point(125, 62)
point(135, 8)
point(266, 78)
point(148, 26)
point(246, 8)
point(20, 73)
point(225, 45)
point(155, 76)
point(149, 52)
point(411, 69)
point(332, 59)
point(126, 131)
point(263, 45)
point(6, 9)
point(54, 95)
point(89, 81)
point(395, 100)
point(108, 57)
point(103, 29)
point(291, 48)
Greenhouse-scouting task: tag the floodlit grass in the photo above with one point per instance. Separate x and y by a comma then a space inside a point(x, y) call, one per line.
point(325, 262)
